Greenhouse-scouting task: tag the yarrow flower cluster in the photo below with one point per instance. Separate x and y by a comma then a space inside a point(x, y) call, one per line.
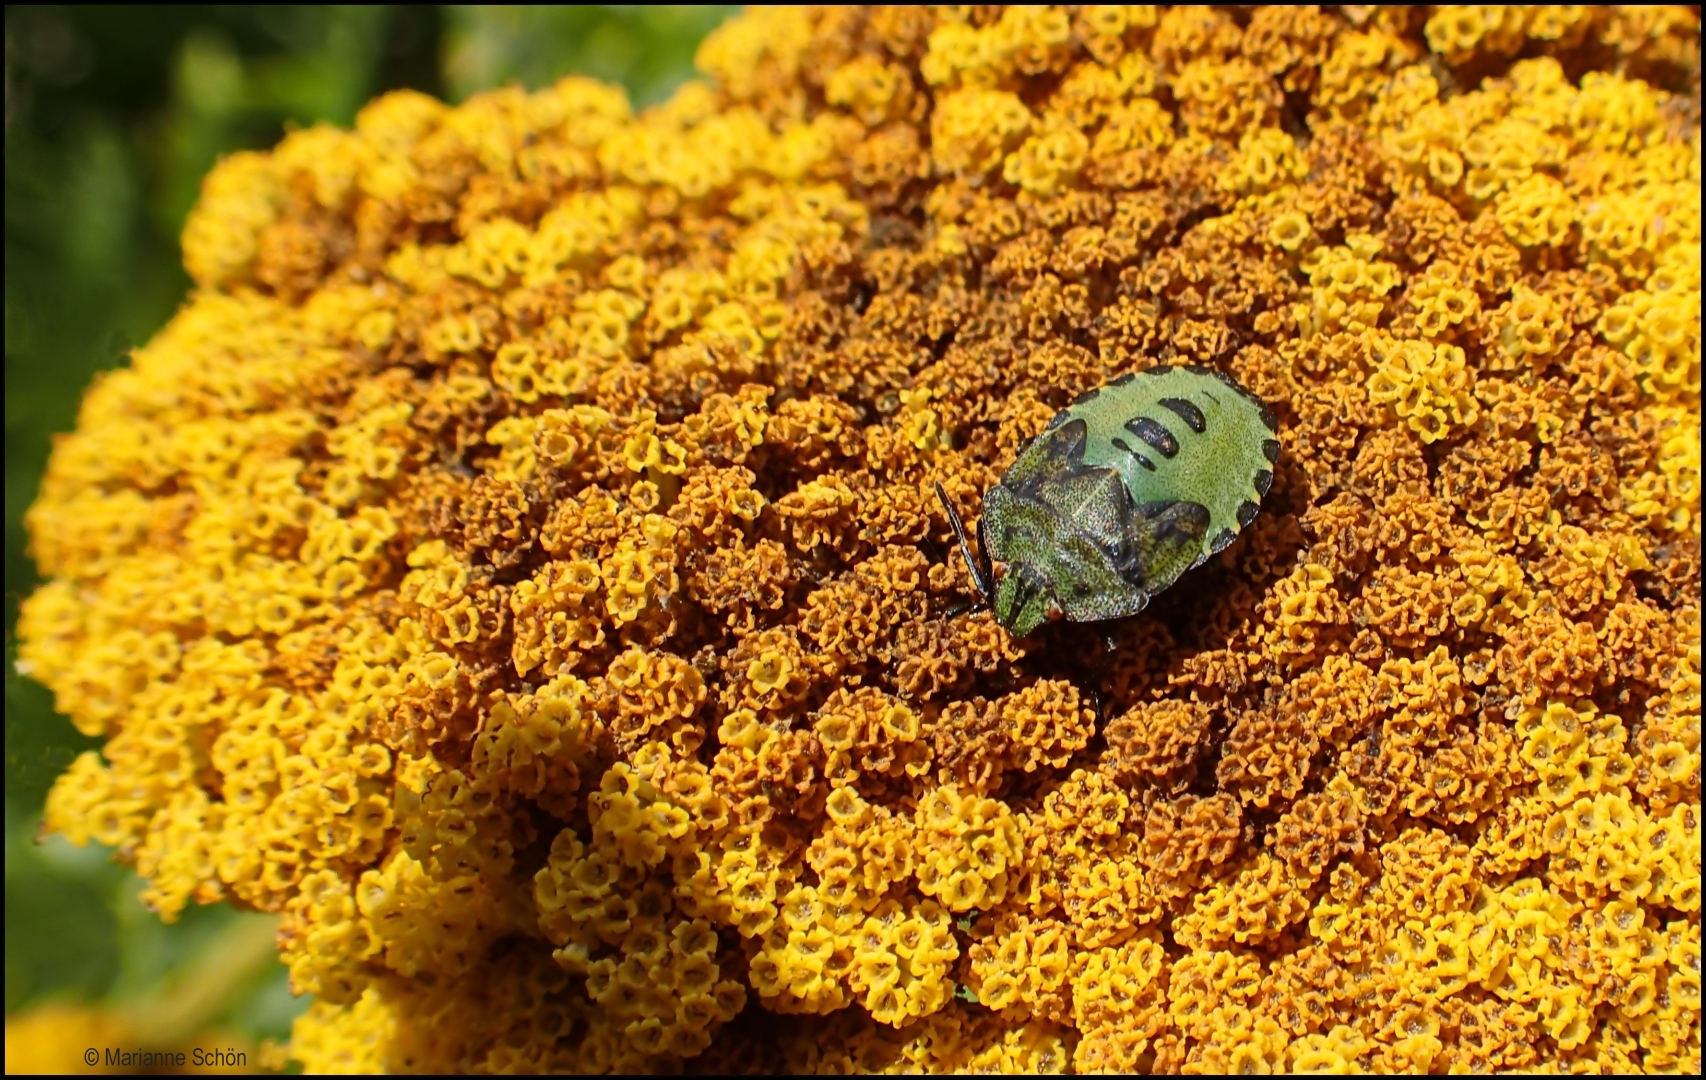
point(517, 565)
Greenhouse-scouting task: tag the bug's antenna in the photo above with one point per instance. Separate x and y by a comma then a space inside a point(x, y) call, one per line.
point(980, 575)
point(988, 586)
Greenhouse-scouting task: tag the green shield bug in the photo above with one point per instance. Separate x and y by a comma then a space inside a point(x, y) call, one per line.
point(1127, 488)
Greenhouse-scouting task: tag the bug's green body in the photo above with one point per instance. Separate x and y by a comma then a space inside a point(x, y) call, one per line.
point(1126, 489)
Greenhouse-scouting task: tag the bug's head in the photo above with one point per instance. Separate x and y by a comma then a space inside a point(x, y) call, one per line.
point(1046, 567)
point(1020, 539)
point(1024, 600)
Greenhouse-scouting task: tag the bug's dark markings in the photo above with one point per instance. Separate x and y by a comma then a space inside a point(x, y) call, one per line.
point(1189, 413)
point(1067, 442)
point(1159, 438)
point(1127, 447)
point(1184, 520)
point(1085, 525)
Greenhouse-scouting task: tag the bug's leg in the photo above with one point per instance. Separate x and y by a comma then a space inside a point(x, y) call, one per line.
point(954, 611)
point(1110, 649)
point(980, 575)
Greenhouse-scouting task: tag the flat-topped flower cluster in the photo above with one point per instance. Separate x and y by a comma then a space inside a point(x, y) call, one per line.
point(518, 566)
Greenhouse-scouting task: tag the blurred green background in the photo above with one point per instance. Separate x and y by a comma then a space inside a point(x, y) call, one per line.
point(113, 115)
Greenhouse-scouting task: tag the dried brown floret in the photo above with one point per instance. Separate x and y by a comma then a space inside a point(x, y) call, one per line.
point(1047, 722)
point(1185, 34)
point(815, 430)
point(740, 582)
point(651, 697)
point(1420, 225)
point(1463, 778)
point(1138, 663)
point(845, 621)
point(1580, 476)
point(1157, 742)
point(586, 525)
point(933, 657)
point(1304, 990)
point(1266, 756)
point(895, 515)
point(1342, 534)
point(1330, 422)
point(1472, 472)
point(1318, 828)
point(1512, 836)
point(1639, 639)
point(1675, 577)
point(971, 745)
point(1289, 44)
point(1427, 870)
point(790, 776)
point(1550, 656)
point(1335, 701)
point(1187, 834)
point(1408, 608)
point(1387, 463)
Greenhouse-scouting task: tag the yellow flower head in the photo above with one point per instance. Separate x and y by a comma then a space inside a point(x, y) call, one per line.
point(518, 565)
